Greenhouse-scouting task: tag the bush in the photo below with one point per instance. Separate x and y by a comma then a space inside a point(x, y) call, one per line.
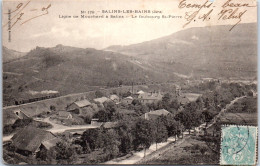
point(8, 129)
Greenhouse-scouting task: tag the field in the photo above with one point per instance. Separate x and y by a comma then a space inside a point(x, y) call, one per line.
point(243, 112)
point(239, 118)
point(190, 150)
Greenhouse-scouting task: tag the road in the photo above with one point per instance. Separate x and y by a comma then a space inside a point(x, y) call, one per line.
point(151, 153)
point(57, 128)
point(137, 156)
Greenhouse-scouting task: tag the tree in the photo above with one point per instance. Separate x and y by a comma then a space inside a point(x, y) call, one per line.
point(143, 134)
point(111, 110)
point(175, 104)
point(126, 94)
point(136, 102)
point(92, 138)
point(207, 116)
point(166, 98)
point(52, 108)
point(111, 143)
point(98, 94)
point(125, 127)
point(160, 131)
point(64, 153)
point(188, 118)
point(102, 116)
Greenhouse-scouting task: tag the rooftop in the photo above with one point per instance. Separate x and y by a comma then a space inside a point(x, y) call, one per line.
point(30, 138)
point(101, 99)
point(82, 103)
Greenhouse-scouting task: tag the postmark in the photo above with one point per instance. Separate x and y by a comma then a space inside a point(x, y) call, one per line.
point(238, 145)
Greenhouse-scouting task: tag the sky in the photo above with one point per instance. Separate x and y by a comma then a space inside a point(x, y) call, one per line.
point(50, 30)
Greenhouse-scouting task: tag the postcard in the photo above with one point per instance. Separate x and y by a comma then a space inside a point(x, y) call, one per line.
point(165, 82)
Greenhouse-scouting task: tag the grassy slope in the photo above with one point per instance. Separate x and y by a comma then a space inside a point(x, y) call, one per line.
point(209, 52)
point(73, 70)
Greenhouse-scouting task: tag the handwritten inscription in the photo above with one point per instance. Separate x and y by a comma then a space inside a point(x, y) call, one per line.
point(23, 14)
point(230, 10)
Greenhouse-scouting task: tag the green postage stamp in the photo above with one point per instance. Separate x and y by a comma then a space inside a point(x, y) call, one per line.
point(238, 145)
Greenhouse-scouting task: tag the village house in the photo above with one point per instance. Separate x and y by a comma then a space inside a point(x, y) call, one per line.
point(12, 114)
point(127, 100)
point(182, 100)
point(152, 115)
point(151, 97)
point(33, 112)
point(114, 98)
point(30, 140)
point(64, 115)
point(78, 106)
point(20, 114)
point(135, 95)
point(101, 100)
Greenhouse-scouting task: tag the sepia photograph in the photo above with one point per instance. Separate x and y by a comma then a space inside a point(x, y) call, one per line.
point(101, 82)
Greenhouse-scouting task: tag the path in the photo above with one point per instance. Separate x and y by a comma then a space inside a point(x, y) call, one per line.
point(223, 110)
point(137, 157)
point(57, 128)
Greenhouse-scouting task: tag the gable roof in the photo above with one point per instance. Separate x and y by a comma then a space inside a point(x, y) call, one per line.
point(30, 138)
point(140, 92)
point(129, 97)
point(51, 143)
point(82, 103)
point(34, 111)
point(155, 114)
point(192, 96)
point(114, 97)
point(183, 100)
point(101, 99)
point(150, 96)
point(159, 112)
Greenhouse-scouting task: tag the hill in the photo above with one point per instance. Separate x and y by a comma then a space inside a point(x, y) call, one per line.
point(10, 55)
point(208, 52)
point(196, 53)
point(72, 70)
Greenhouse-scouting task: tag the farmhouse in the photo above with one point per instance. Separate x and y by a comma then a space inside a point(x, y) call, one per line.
point(30, 140)
point(152, 115)
point(127, 100)
point(78, 106)
point(149, 97)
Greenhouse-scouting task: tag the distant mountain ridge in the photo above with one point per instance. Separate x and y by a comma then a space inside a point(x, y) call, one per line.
point(194, 53)
point(72, 70)
point(9, 54)
point(215, 48)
